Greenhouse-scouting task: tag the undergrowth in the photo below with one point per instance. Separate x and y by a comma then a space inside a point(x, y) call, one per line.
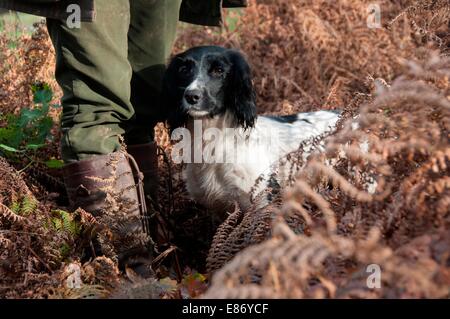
point(378, 194)
point(22, 134)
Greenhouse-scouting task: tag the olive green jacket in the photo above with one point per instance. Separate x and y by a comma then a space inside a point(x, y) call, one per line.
point(203, 12)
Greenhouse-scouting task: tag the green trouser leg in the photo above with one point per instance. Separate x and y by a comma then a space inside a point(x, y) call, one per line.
point(150, 40)
point(109, 70)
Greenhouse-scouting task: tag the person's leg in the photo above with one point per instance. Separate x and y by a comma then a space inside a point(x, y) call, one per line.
point(93, 70)
point(151, 37)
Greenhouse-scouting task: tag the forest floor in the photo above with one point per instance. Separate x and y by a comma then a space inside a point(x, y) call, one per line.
point(350, 211)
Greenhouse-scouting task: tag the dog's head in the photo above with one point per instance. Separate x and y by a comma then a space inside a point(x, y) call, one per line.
point(208, 81)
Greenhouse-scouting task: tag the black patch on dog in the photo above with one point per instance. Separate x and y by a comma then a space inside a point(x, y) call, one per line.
point(288, 119)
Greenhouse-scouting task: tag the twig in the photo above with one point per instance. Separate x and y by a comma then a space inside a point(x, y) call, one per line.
point(40, 259)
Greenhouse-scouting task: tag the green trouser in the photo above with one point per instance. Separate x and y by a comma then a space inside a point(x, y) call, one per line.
point(110, 72)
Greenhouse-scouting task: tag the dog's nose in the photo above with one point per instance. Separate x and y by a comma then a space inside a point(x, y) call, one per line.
point(192, 96)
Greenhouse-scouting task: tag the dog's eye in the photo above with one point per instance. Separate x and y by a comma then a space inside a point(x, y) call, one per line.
point(217, 71)
point(184, 69)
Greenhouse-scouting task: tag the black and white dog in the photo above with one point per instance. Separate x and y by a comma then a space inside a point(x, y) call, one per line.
point(208, 91)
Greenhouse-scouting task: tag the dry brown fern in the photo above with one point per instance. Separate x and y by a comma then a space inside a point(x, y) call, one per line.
point(389, 174)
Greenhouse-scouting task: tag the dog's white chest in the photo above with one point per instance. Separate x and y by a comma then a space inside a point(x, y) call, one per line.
point(217, 186)
point(243, 163)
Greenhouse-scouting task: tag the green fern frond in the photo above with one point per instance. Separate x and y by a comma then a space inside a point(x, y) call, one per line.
point(57, 223)
point(65, 221)
point(29, 205)
point(15, 207)
point(64, 250)
point(70, 225)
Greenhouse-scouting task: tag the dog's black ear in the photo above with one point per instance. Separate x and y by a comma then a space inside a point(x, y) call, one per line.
point(240, 95)
point(171, 96)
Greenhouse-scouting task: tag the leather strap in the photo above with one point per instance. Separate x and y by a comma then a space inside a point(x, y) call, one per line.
point(141, 194)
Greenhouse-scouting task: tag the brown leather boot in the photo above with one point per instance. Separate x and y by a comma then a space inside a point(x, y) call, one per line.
point(146, 156)
point(105, 187)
